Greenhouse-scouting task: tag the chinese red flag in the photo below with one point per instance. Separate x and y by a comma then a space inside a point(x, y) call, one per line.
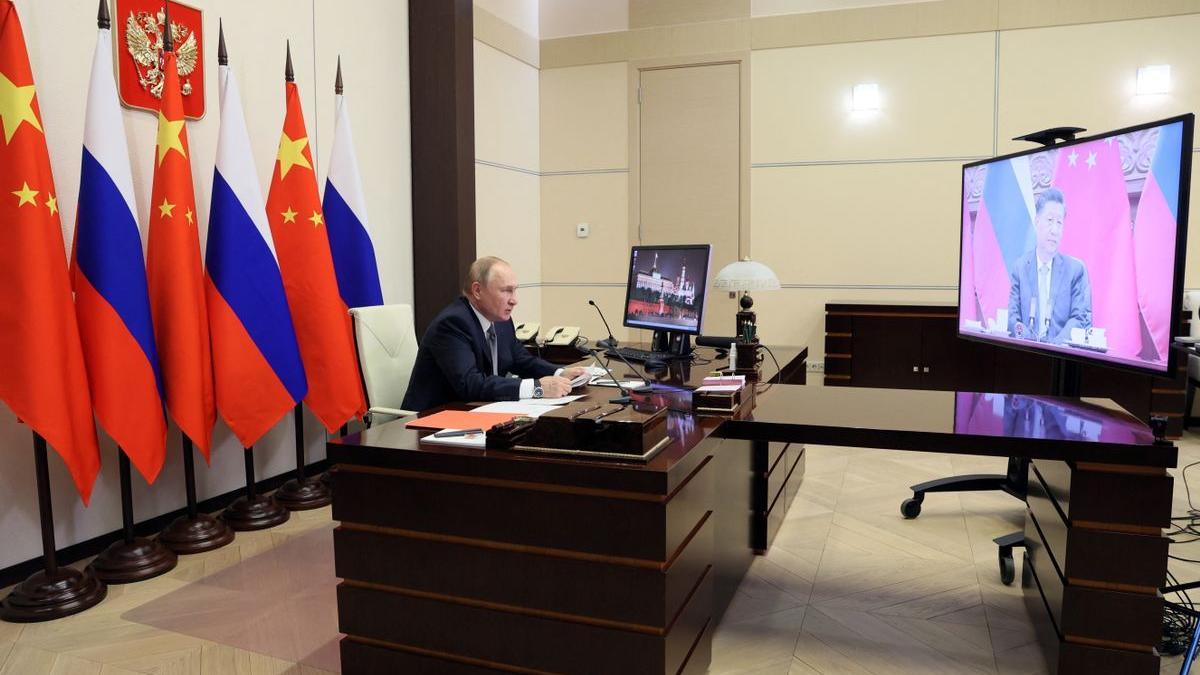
point(42, 375)
point(175, 275)
point(321, 320)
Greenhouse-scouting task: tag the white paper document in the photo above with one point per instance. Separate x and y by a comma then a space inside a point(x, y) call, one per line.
point(718, 387)
point(628, 384)
point(525, 408)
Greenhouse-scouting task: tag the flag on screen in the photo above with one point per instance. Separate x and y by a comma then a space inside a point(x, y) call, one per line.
point(1154, 236)
point(42, 374)
point(256, 361)
point(112, 302)
point(1006, 194)
point(968, 300)
point(346, 218)
point(175, 275)
point(320, 318)
point(1096, 229)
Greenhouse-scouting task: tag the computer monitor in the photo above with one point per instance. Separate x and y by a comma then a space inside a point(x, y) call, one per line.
point(1078, 250)
point(665, 288)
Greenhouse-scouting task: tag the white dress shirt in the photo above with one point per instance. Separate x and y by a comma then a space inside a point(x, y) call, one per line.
point(1045, 270)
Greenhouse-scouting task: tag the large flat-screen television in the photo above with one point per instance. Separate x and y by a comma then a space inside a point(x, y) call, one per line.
point(1077, 250)
point(665, 289)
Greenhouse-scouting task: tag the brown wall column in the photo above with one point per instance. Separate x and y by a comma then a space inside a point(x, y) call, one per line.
point(442, 96)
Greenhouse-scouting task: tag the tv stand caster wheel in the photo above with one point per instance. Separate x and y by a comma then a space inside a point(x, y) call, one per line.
point(911, 508)
point(1008, 570)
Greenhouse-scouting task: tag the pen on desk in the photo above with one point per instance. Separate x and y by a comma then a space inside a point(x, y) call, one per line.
point(459, 432)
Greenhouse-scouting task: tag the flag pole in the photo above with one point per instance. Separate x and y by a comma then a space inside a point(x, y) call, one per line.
point(253, 511)
point(301, 493)
point(132, 558)
point(53, 592)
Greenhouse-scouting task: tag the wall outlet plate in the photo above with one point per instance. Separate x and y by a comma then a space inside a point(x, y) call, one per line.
point(582, 230)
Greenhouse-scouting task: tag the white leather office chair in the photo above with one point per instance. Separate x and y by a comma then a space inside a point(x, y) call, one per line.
point(386, 339)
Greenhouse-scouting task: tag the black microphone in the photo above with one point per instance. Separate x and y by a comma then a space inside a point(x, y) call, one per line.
point(610, 342)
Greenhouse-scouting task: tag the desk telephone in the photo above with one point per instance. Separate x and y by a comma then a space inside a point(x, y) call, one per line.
point(562, 335)
point(527, 332)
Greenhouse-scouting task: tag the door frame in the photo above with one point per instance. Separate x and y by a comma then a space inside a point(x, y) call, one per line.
point(742, 60)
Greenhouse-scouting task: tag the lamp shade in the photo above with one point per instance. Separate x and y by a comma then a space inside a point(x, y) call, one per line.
point(746, 275)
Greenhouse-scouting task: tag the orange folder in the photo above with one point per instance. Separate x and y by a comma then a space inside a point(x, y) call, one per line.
point(460, 419)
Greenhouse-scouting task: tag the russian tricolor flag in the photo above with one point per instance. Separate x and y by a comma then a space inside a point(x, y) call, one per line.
point(256, 359)
point(112, 301)
point(346, 219)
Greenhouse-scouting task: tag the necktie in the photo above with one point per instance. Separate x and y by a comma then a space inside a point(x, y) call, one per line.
point(1044, 299)
point(491, 338)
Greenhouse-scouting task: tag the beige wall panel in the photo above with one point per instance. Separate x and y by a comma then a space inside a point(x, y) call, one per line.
point(521, 14)
point(585, 118)
point(648, 13)
point(936, 100)
point(1085, 75)
point(1029, 13)
point(796, 316)
point(379, 116)
point(507, 219)
point(568, 306)
point(61, 54)
point(879, 224)
point(529, 305)
point(771, 7)
point(945, 17)
point(561, 18)
point(506, 109)
point(715, 37)
point(601, 201)
point(496, 32)
point(585, 49)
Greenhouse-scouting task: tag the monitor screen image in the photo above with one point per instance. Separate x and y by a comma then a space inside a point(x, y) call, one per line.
point(665, 289)
point(1078, 250)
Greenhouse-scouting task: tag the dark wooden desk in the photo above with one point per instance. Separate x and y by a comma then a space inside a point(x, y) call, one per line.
point(466, 561)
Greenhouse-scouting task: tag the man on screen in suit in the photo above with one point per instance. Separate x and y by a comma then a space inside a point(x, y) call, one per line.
point(1050, 293)
point(469, 350)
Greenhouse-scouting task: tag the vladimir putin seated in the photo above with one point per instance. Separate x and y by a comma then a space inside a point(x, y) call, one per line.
point(470, 349)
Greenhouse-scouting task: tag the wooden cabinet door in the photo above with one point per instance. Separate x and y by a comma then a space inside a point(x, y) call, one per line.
point(950, 363)
point(887, 352)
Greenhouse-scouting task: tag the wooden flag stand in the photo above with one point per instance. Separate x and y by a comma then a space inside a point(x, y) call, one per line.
point(253, 511)
point(195, 532)
point(55, 591)
point(301, 493)
point(133, 558)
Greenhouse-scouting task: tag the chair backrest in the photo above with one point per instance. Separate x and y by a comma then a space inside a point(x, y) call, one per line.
point(386, 338)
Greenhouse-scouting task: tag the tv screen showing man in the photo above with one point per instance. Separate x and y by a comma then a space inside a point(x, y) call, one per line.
point(1076, 249)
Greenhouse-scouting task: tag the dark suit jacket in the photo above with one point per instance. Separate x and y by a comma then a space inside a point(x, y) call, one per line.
point(1070, 297)
point(454, 362)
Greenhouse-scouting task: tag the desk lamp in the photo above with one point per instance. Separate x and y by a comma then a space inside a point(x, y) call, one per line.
point(746, 275)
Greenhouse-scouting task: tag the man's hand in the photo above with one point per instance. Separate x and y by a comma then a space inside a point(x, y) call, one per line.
point(554, 386)
point(572, 373)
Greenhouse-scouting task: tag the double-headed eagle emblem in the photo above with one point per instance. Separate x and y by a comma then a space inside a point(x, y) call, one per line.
point(144, 39)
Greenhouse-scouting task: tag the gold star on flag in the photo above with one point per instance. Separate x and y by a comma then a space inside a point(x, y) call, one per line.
point(25, 195)
point(289, 216)
point(16, 107)
point(169, 137)
point(316, 219)
point(189, 215)
point(291, 153)
point(52, 204)
point(165, 209)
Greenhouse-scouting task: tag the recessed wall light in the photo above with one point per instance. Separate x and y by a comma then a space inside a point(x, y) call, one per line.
point(1153, 80)
point(865, 97)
